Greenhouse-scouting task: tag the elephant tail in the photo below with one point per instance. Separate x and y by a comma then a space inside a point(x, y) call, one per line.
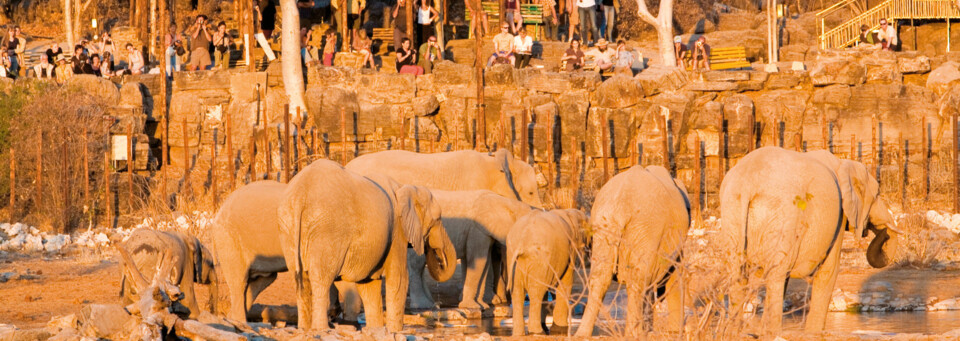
point(298, 264)
point(512, 269)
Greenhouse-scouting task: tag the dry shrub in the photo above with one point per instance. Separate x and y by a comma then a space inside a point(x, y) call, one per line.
point(49, 134)
point(921, 242)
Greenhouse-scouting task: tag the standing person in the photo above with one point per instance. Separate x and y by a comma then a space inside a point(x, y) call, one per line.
point(174, 49)
point(701, 54)
point(44, 69)
point(399, 24)
point(135, 58)
point(523, 48)
point(550, 19)
point(511, 12)
point(21, 48)
point(430, 53)
point(12, 45)
point(887, 35)
point(426, 17)
point(200, 45)
point(221, 46)
point(407, 58)
point(355, 10)
point(572, 59)
point(588, 20)
point(266, 10)
point(106, 46)
point(502, 45)
point(610, 9)
point(330, 47)
point(680, 52)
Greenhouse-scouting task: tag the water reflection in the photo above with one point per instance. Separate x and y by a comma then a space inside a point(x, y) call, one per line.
point(923, 322)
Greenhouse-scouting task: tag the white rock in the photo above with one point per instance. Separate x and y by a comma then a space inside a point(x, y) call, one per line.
point(55, 243)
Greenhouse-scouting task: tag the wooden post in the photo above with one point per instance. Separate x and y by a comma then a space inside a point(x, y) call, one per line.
point(830, 137)
point(879, 147)
point(696, 178)
point(604, 146)
point(231, 159)
point(286, 142)
point(13, 183)
point(164, 154)
point(501, 140)
point(798, 142)
point(552, 154)
point(823, 132)
point(213, 171)
point(925, 152)
point(663, 136)
point(39, 181)
point(416, 134)
point(186, 148)
point(403, 132)
point(722, 147)
point(481, 130)
point(106, 189)
point(956, 172)
point(343, 135)
point(873, 141)
point(905, 177)
point(130, 165)
point(853, 146)
point(523, 136)
point(86, 170)
point(252, 171)
point(313, 143)
point(782, 126)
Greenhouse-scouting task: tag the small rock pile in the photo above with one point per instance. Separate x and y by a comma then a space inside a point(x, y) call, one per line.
point(19, 237)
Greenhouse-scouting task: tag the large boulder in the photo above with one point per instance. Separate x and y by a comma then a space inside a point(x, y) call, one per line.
point(618, 92)
point(201, 80)
point(913, 63)
point(450, 73)
point(98, 87)
point(386, 88)
point(940, 78)
point(425, 105)
point(131, 95)
point(549, 82)
point(244, 86)
point(325, 105)
point(837, 71)
point(657, 79)
point(738, 111)
point(501, 74)
point(322, 76)
point(573, 107)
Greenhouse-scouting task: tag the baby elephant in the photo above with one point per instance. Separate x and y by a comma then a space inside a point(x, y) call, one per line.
point(541, 251)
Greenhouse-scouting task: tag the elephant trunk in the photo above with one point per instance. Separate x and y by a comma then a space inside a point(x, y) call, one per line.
point(603, 261)
point(879, 252)
point(441, 255)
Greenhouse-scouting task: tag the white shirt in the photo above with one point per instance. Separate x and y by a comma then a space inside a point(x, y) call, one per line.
point(890, 34)
point(423, 16)
point(586, 3)
point(523, 44)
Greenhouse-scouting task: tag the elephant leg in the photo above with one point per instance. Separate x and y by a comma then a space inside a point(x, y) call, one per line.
point(561, 310)
point(476, 270)
point(350, 300)
point(305, 304)
point(603, 260)
point(518, 292)
point(319, 285)
point(636, 302)
point(535, 312)
point(674, 297)
point(372, 302)
point(499, 273)
point(238, 289)
point(420, 297)
point(772, 319)
point(189, 296)
point(822, 291)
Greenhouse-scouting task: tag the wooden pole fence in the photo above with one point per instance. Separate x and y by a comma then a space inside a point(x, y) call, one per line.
point(86, 169)
point(287, 151)
point(343, 136)
point(130, 147)
point(213, 170)
point(604, 146)
point(13, 183)
point(106, 188)
point(39, 181)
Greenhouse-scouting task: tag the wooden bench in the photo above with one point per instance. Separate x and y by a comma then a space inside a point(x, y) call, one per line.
point(492, 9)
point(385, 36)
point(726, 58)
point(533, 14)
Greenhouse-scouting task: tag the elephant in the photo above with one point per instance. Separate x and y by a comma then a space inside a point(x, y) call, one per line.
point(455, 171)
point(639, 221)
point(542, 252)
point(475, 221)
point(810, 198)
point(185, 259)
point(338, 225)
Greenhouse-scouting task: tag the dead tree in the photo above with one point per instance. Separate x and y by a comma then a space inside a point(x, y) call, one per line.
point(663, 23)
point(290, 61)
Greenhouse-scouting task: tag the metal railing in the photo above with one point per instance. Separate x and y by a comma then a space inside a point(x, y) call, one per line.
point(848, 32)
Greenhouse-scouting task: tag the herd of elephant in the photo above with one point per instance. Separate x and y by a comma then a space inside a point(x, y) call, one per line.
point(364, 232)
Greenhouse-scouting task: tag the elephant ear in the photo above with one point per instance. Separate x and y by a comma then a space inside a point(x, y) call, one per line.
point(503, 158)
point(410, 209)
point(853, 182)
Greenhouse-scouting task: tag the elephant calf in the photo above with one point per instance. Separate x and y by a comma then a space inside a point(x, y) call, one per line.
point(184, 259)
point(541, 253)
point(476, 222)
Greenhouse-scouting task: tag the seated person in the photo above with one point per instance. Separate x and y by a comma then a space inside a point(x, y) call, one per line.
point(625, 58)
point(680, 52)
point(430, 52)
point(523, 48)
point(64, 71)
point(407, 58)
point(572, 58)
point(868, 37)
point(362, 43)
point(44, 69)
point(603, 56)
point(701, 54)
point(502, 46)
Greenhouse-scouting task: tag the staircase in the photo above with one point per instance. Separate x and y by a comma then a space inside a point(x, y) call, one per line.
point(848, 32)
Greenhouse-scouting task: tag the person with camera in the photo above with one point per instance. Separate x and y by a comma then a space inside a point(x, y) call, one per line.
point(200, 45)
point(430, 53)
point(701, 54)
point(221, 45)
point(174, 50)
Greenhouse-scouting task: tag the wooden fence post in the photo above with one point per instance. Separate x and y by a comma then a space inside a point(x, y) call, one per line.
point(830, 137)
point(552, 155)
point(252, 170)
point(523, 136)
point(86, 170)
point(130, 147)
point(925, 152)
point(696, 177)
point(403, 133)
point(39, 181)
point(213, 170)
point(343, 135)
point(666, 144)
point(782, 126)
point(13, 183)
point(640, 154)
point(905, 145)
point(956, 172)
point(879, 147)
point(231, 164)
point(164, 152)
point(604, 145)
point(287, 151)
point(106, 189)
point(186, 148)
point(416, 134)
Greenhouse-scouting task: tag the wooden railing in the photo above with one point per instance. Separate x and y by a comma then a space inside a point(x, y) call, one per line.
point(848, 32)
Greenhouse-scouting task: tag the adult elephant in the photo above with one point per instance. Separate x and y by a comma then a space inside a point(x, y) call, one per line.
point(455, 171)
point(476, 222)
point(782, 215)
point(185, 262)
point(639, 220)
point(338, 225)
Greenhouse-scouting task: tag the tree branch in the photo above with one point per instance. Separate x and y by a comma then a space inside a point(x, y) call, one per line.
point(645, 13)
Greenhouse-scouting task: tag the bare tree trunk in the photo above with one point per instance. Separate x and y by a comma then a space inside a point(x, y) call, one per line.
point(153, 28)
point(68, 22)
point(290, 61)
point(663, 22)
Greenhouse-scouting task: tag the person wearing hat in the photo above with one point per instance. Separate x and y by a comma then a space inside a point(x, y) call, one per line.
point(680, 52)
point(701, 54)
point(867, 37)
point(63, 71)
point(603, 56)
